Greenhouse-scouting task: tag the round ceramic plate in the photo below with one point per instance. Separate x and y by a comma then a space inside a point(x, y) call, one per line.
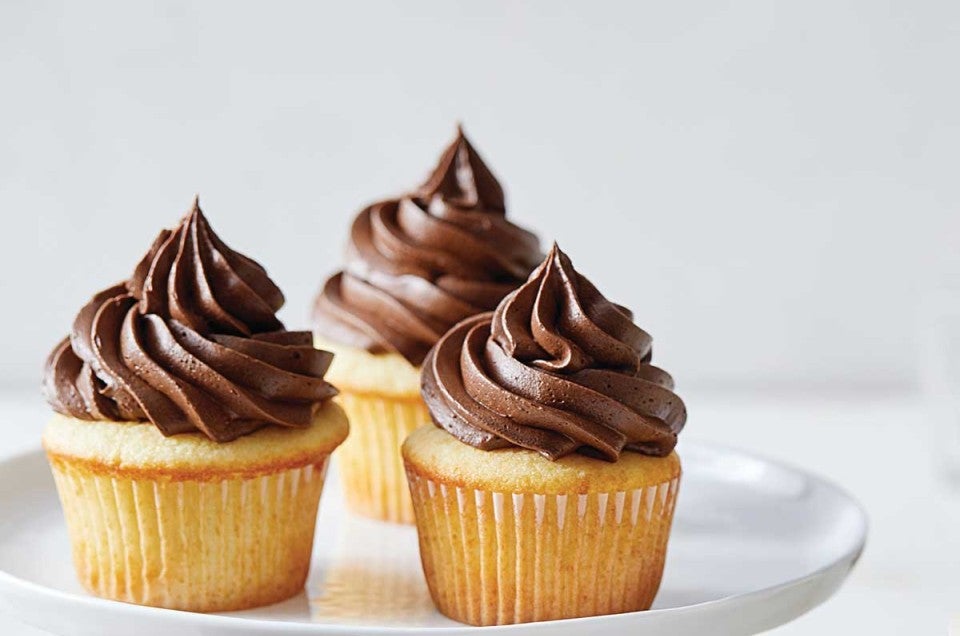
point(754, 545)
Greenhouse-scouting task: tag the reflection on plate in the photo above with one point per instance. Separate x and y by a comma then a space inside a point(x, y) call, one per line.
point(369, 580)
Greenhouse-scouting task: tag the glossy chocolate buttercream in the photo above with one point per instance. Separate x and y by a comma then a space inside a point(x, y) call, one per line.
point(557, 368)
point(190, 342)
point(419, 264)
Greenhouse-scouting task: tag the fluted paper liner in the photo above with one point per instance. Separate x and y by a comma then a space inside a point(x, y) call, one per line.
point(494, 558)
point(211, 545)
point(371, 467)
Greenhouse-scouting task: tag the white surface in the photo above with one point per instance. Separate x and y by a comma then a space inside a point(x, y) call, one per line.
point(753, 545)
point(878, 447)
point(785, 168)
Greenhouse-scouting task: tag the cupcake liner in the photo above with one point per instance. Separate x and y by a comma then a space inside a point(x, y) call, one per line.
point(198, 545)
point(494, 558)
point(371, 467)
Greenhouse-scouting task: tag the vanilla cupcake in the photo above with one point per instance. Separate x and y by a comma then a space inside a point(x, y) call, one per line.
point(548, 490)
point(415, 266)
point(192, 432)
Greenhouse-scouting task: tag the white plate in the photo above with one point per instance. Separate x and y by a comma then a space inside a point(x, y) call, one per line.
point(754, 545)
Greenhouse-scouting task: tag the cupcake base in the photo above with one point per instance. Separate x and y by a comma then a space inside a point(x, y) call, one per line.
point(197, 546)
point(371, 468)
point(592, 541)
point(381, 395)
point(184, 523)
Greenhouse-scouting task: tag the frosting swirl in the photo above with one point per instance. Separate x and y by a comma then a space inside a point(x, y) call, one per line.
point(190, 342)
point(417, 265)
point(557, 368)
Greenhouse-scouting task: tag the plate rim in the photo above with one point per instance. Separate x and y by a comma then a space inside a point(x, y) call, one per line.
point(846, 561)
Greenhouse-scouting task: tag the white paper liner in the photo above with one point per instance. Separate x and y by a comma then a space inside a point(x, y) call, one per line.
point(194, 545)
point(501, 558)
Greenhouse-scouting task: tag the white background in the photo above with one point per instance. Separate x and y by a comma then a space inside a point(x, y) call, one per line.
point(771, 186)
point(768, 185)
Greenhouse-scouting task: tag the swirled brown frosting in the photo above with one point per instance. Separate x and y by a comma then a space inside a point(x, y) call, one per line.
point(417, 265)
point(190, 342)
point(557, 368)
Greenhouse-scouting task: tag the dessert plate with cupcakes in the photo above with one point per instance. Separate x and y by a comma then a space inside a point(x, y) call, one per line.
point(509, 457)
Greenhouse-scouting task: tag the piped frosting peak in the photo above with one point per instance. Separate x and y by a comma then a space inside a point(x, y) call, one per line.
point(190, 342)
point(557, 368)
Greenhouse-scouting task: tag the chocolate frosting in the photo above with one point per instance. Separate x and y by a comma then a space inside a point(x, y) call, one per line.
point(190, 342)
point(417, 265)
point(557, 368)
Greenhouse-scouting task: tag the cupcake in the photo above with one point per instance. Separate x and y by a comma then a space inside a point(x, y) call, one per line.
point(192, 432)
point(415, 266)
point(547, 488)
